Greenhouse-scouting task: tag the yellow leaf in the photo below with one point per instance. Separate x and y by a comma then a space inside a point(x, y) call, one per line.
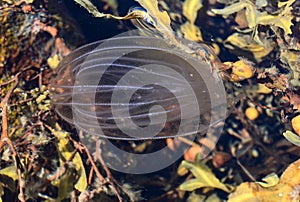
point(292, 58)
point(270, 180)
point(162, 22)
point(244, 193)
point(230, 9)
point(255, 17)
point(284, 22)
point(287, 190)
point(62, 137)
point(291, 175)
point(162, 18)
point(93, 10)
point(53, 61)
point(246, 42)
point(263, 89)
point(292, 137)
point(192, 185)
point(251, 14)
point(182, 170)
point(10, 172)
point(66, 151)
point(191, 32)
point(90, 7)
point(81, 183)
point(285, 3)
point(204, 177)
point(190, 9)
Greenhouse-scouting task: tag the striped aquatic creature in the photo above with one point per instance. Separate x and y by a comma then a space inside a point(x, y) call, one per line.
point(136, 86)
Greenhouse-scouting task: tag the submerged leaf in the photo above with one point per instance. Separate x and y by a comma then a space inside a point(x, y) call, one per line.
point(282, 21)
point(230, 9)
point(162, 19)
point(81, 183)
point(192, 185)
point(256, 17)
point(292, 58)
point(246, 42)
point(204, 177)
point(270, 180)
point(66, 182)
point(287, 190)
point(10, 171)
point(90, 7)
point(93, 10)
point(191, 32)
point(190, 9)
point(263, 89)
point(292, 137)
point(189, 29)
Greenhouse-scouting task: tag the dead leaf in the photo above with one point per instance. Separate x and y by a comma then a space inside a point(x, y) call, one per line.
point(270, 180)
point(190, 9)
point(10, 171)
point(204, 177)
point(292, 137)
point(292, 58)
point(191, 32)
point(294, 100)
point(161, 18)
point(66, 182)
point(246, 42)
point(286, 190)
point(256, 17)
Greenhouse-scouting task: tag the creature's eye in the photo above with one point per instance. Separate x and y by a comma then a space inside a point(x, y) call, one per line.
point(135, 87)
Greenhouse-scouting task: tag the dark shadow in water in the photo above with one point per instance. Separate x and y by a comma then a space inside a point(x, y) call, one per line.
point(93, 28)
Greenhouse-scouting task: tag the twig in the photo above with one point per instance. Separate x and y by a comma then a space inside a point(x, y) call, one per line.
point(80, 147)
point(39, 76)
point(91, 176)
point(245, 171)
point(63, 168)
point(109, 175)
point(103, 180)
point(262, 106)
point(5, 137)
